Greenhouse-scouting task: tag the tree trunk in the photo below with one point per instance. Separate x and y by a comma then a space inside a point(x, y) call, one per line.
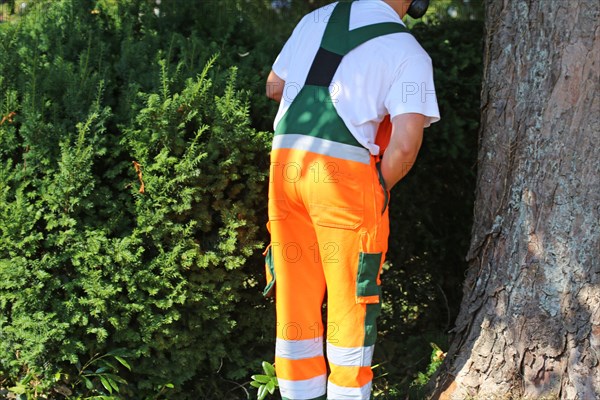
point(529, 325)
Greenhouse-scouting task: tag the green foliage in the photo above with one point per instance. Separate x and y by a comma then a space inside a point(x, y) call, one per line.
point(265, 383)
point(99, 376)
point(98, 379)
point(451, 10)
point(436, 359)
point(391, 389)
point(97, 106)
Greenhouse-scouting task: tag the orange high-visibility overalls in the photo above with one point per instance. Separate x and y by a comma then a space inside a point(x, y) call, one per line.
point(329, 228)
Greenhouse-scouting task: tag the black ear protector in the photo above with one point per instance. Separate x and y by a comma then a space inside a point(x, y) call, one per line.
point(418, 8)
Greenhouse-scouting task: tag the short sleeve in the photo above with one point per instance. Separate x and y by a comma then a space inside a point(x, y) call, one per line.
point(284, 59)
point(282, 62)
point(413, 91)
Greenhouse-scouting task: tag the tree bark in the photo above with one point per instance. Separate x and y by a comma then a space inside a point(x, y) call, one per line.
point(529, 325)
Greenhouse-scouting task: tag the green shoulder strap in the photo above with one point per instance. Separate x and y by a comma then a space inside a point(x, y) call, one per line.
point(338, 37)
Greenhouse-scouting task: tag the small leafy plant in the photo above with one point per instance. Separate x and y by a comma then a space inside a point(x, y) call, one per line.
point(437, 357)
point(97, 379)
point(265, 383)
point(99, 374)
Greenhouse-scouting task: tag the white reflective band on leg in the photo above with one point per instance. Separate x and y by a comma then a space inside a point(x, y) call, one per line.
point(335, 392)
point(299, 349)
point(322, 146)
point(305, 389)
point(350, 356)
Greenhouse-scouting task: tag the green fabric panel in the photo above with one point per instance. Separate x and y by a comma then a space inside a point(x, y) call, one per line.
point(312, 113)
point(373, 311)
point(366, 285)
point(340, 40)
point(366, 33)
point(269, 262)
point(368, 268)
point(386, 197)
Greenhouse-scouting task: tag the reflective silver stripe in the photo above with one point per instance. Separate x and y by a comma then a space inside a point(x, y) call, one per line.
point(348, 393)
point(322, 146)
point(305, 389)
point(350, 356)
point(299, 349)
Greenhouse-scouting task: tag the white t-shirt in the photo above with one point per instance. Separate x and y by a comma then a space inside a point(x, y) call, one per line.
point(390, 74)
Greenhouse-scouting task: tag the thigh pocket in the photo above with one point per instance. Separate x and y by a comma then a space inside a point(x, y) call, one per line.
point(367, 288)
point(269, 272)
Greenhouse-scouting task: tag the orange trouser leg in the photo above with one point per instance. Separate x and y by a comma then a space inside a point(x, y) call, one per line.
point(329, 229)
point(300, 287)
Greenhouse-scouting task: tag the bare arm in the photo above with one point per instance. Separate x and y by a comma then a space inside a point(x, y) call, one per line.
point(405, 142)
point(274, 87)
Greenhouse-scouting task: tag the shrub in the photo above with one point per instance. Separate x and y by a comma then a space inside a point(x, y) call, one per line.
point(97, 109)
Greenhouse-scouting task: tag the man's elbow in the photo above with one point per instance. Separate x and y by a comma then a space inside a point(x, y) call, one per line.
point(408, 132)
point(274, 87)
point(273, 94)
point(410, 149)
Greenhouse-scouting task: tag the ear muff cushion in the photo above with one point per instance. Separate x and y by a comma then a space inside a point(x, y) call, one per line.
point(418, 8)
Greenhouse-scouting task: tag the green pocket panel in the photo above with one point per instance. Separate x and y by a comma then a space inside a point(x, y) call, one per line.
point(373, 311)
point(368, 269)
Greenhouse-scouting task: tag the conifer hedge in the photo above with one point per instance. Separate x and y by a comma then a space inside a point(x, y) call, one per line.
point(131, 206)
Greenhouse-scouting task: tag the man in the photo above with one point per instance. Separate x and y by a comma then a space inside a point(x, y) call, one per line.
point(345, 68)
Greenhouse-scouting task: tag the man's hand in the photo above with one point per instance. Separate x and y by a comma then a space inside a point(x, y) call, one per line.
point(275, 87)
point(405, 142)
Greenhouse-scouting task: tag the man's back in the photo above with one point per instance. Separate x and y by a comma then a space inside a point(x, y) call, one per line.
point(390, 74)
